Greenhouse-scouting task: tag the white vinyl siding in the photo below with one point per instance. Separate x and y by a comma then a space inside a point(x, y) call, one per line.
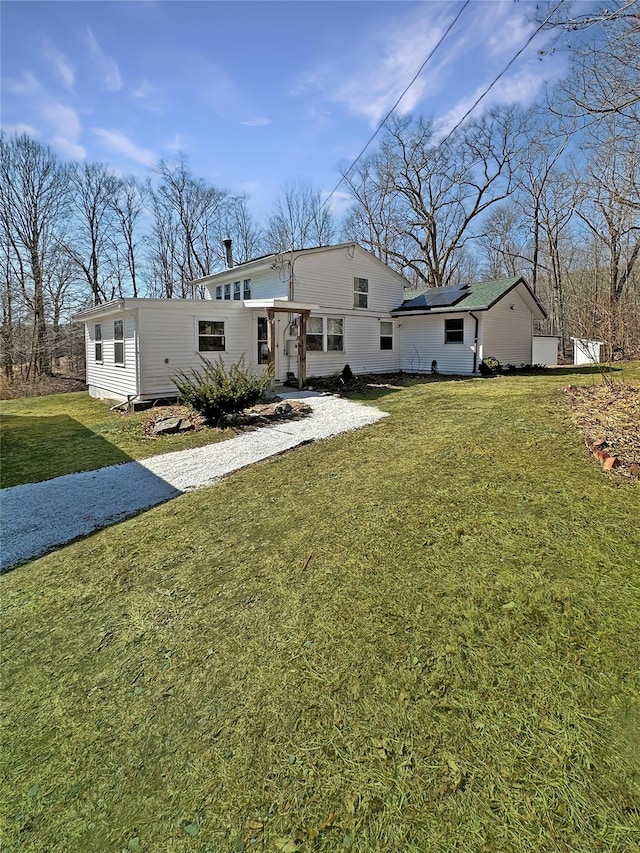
point(423, 341)
point(508, 331)
point(328, 278)
point(361, 342)
point(169, 333)
point(105, 378)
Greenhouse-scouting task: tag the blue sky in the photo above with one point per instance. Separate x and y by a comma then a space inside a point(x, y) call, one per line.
point(256, 94)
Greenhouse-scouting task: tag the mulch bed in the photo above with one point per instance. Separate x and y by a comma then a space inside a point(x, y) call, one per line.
point(299, 409)
point(608, 417)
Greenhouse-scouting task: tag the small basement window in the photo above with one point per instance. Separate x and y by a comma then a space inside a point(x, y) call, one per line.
point(211, 336)
point(386, 334)
point(360, 292)
point(118, 342)
point(454, 331)
point(97, 337)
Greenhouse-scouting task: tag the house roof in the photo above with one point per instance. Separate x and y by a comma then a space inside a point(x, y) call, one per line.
point(266, 261)
point(477, 296)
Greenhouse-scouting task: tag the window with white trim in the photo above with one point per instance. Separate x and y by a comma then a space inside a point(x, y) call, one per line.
point(454, 331)
point(263, 344)
point(325, 334)
point(386, 334)
point(219, 292)
point(360, 292)
point(97, 338)
point(246, 288)
point(118, 342)
point(237, 292)
point(227, 291)
point(211, 336)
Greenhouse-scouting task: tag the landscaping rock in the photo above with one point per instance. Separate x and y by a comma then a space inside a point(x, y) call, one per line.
point(611, 462)
point(167, 426)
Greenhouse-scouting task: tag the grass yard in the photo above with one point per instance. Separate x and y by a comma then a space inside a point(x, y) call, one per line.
point(45, 437)
point(422, 636)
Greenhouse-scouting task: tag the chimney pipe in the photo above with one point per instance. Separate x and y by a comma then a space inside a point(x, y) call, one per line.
point(228, 254)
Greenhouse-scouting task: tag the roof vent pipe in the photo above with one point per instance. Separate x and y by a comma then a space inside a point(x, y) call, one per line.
point(228, 254)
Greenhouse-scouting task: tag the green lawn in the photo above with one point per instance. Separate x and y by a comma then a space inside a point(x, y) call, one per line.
point(44, 437)
point(422, 636)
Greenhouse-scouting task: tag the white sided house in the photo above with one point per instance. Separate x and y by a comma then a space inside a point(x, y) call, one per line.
point(308, 312)
point(452, 329)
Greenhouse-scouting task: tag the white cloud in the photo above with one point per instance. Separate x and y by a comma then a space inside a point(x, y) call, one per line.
point(28, 85)
point(61, 65)
point(68, 148)
point(117, 142)
point(339, 203)
point(63, 119)
point(520, 88)
point(257, 122)
point(369, 80)
point(19, 129)
point(106, 67)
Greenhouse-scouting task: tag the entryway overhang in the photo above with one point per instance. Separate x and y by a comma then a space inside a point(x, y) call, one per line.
point(284, 306)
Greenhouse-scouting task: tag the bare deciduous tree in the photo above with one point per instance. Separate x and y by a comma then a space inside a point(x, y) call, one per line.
point(299, 220)
point(33, 209)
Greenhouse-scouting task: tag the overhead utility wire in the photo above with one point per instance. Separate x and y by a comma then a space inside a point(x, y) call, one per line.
point(501, 74)
point(384, 120)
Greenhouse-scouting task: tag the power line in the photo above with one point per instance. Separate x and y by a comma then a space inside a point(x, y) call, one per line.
point(501, 74)
point(384, 120)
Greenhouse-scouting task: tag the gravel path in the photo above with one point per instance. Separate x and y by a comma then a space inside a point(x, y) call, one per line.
point(38, 517)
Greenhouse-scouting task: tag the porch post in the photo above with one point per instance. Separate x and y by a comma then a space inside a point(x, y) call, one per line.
point(302, 350)
point(271, 342)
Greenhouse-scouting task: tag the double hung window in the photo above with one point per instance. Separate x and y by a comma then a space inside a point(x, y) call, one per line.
point(360, 292)
point(386, 334)
point(211, 336)
point(97, 339)
point(237, 292)
point(118, 342)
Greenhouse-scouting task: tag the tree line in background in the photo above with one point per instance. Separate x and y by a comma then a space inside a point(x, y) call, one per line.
point(551, 193)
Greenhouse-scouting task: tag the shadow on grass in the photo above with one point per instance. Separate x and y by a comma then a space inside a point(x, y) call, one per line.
point(61, 481)
point(39, 448)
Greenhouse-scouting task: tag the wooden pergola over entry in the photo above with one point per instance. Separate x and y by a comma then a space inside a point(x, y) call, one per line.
point(303, 313)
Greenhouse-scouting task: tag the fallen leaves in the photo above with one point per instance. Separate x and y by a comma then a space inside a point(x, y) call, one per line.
point(609, 419)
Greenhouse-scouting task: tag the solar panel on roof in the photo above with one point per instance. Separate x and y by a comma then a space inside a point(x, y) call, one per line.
point(439, 297)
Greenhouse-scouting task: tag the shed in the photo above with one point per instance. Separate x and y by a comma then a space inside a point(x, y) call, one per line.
point(586, 351)
point(545, 350)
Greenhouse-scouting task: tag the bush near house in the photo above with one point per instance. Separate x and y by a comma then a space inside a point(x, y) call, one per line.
point(215, 391)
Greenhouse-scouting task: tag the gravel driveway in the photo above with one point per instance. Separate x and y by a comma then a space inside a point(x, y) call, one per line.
point(38, 517)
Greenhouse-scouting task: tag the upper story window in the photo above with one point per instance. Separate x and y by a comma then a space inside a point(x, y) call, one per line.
point(360, 292)
point(386, 334)
point(219, 292)
point(97, 337)
point(246, 288)
point(325, 334)
point(118, 342)
point(227, 291)
point(237, 292)
point(211, 336)
point(454, 331)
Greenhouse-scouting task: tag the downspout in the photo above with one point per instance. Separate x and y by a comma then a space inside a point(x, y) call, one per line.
point(475, 342)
